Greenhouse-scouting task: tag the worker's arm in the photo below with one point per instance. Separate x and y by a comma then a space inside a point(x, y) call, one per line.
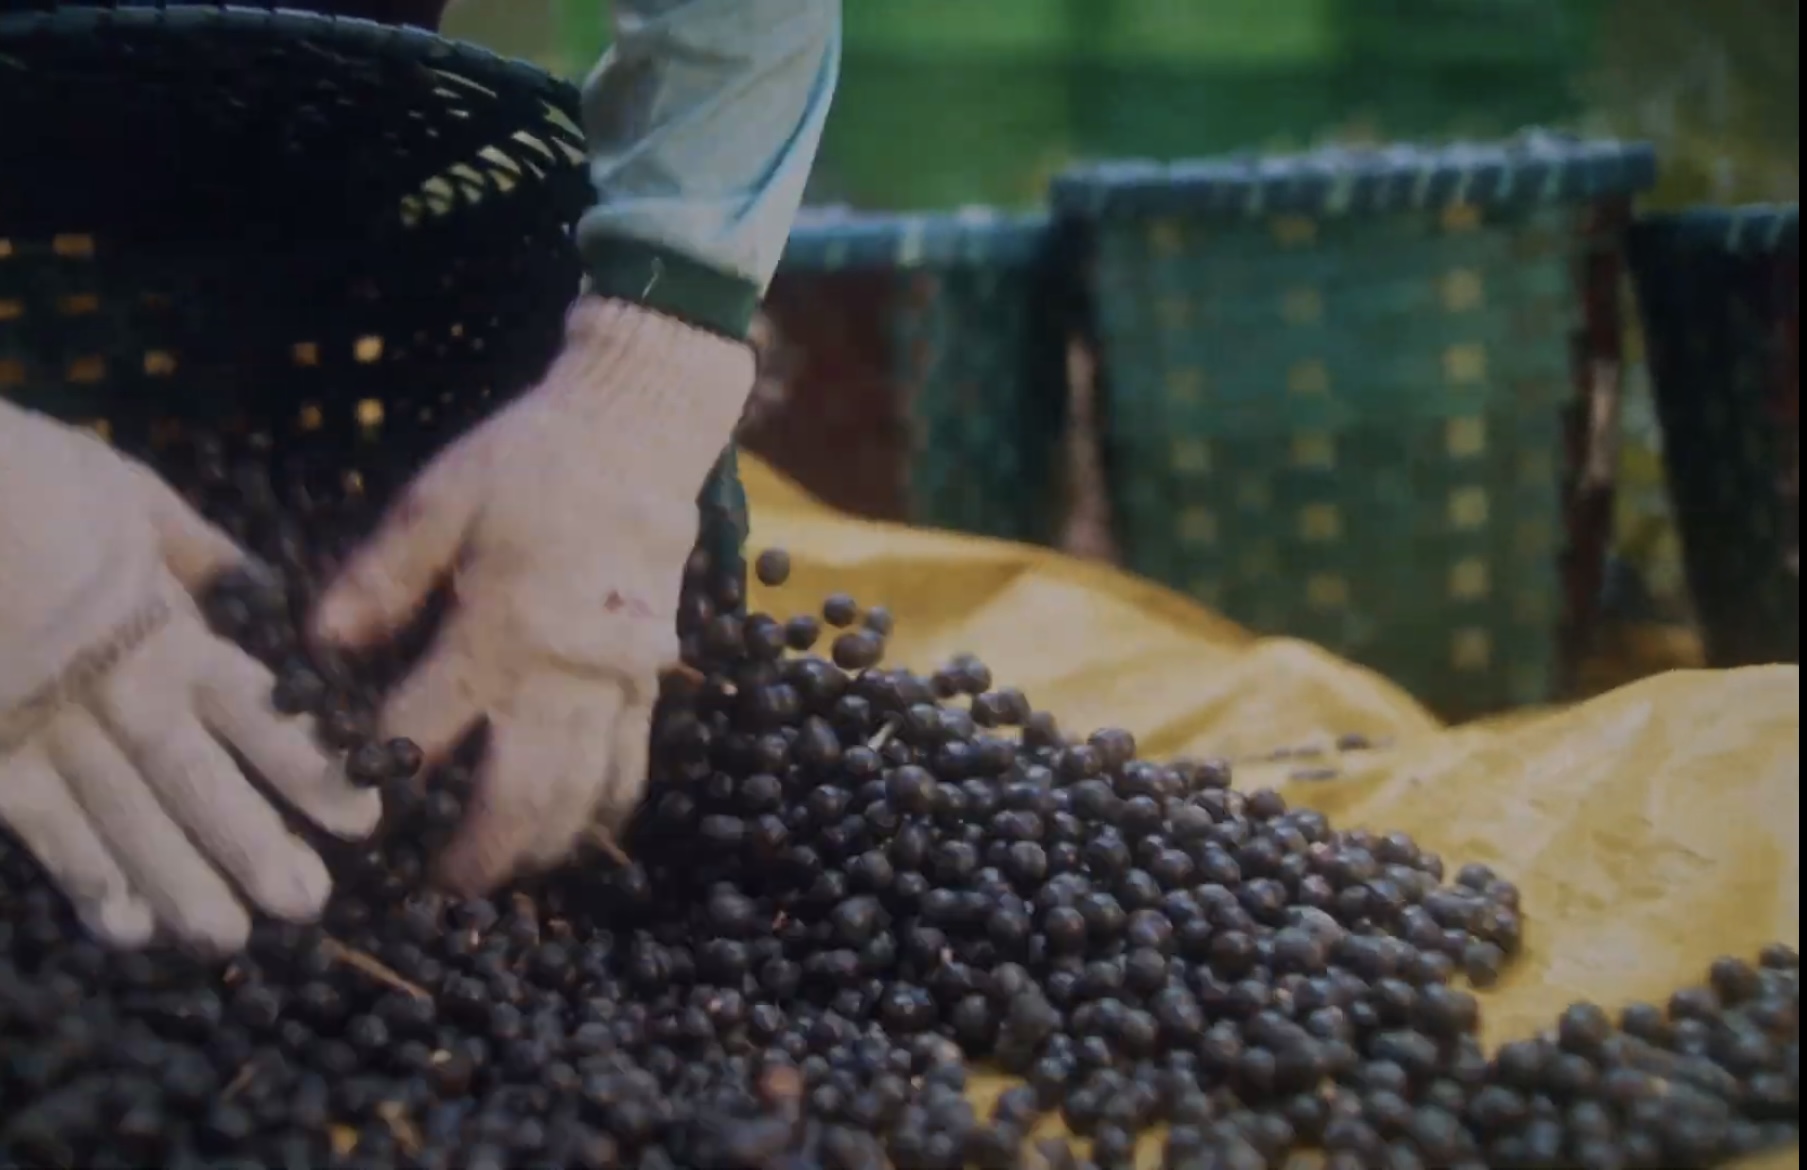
point(703, 122)
point(570, 515)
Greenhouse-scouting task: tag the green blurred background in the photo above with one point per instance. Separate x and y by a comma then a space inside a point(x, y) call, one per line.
point(952, 102)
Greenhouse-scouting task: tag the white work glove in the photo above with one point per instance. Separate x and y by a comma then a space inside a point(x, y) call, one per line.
point(112, 694)
point(563, 524)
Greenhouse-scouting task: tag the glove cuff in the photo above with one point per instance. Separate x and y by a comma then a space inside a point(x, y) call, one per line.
point(670, 283)
point(664, 396)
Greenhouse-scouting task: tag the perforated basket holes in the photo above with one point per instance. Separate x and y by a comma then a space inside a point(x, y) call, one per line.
point(375, 359)
point(1362, 453)
point(1323, 355)
point(343, 418)
point(1436, 568)
point(1320, 304)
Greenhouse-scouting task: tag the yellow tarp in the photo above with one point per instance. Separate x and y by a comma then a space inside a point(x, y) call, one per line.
point(1650, 830)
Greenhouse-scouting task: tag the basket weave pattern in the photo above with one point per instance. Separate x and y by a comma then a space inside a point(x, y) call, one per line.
point(1335, 391)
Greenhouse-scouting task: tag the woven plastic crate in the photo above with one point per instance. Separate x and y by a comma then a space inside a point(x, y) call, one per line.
point(1719, 292)
point(338, 242)
point(925, 378)
point(1336, 388)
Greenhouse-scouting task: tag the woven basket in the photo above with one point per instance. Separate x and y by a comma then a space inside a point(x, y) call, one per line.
point(1719, 291)
point(927, 370)
point(1337, 390)
point(341, 242)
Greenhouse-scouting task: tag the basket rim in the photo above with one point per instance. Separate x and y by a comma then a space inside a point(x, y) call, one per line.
point(1750, 229)
point(837, 238)
point(274, 23)
point(342, 46)
point(1531, 168)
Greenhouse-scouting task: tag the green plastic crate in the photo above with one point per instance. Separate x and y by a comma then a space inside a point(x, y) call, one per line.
point(1334, 388)
point(925, 380)
point(1719, 292)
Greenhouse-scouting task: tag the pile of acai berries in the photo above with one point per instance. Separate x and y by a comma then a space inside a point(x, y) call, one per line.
point(852, 893)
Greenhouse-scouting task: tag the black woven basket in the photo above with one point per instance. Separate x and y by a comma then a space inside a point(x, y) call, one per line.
point(1719, 290)
point(341, 241)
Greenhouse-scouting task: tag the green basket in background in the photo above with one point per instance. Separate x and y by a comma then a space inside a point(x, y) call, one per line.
point(923, 369)
point(1719, 291)
point(1335, 388)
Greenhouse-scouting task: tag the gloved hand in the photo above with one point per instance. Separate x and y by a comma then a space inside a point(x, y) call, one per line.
point(112, 694)
point(563, 524)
